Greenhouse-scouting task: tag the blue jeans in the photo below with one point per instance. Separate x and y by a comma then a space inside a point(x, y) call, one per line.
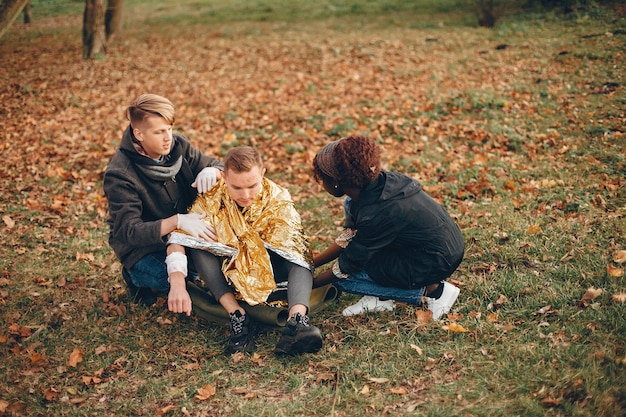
point(363, 284)
point(151, 272)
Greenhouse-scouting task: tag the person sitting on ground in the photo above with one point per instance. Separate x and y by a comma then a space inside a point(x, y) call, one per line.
point(257, 217)
point(150, 182)
point(397, 242)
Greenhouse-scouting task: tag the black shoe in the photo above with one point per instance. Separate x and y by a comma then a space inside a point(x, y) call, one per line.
point(144, 296)
point(242, 330)
point(298, 337)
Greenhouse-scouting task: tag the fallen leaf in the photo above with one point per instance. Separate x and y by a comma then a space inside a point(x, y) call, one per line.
point(205, 392)
point(167, 409)
point(592, 294)
point(365, 390)
point(455, 316)
point(423, 317)
point(455, 327)
point(620, 257)
point(102, 349)
point(75, 357)
point(492, 318)
point(550, 402)
point(619, 298)
point(502, 299)
point(533, 230)
point(615, 272)
point(417, 349)
point(544, 310)
point(399, 391)
point(324, 377)
point(50, 394)
point(8, 222)
point(378, 380)
point(164, 322)
point(240, 390)
point(501, 236)
point(36, 357)
point(194, 366)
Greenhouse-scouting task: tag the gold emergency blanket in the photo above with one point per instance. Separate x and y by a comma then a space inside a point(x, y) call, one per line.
point(270, 222)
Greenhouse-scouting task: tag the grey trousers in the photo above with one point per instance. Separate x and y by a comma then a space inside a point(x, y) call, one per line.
point(299, 279)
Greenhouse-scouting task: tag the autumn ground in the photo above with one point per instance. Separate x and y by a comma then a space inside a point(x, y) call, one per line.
point(518, 131)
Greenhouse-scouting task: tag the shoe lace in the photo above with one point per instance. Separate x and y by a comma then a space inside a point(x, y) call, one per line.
point(304, 320)
point(237, 322)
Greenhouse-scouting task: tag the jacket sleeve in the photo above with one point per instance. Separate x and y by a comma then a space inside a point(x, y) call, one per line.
point(372, 235)
point(125, 209)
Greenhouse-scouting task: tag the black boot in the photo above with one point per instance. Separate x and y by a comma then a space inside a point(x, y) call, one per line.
point(299, 337)
point(242, 331)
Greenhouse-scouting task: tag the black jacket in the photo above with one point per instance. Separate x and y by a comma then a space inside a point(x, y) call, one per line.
point(404, 238)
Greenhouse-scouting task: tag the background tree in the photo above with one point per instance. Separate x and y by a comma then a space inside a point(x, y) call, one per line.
point(27, 16)
point(100, 25)
point(9, 10)
point(113, 18)
point(94, 40)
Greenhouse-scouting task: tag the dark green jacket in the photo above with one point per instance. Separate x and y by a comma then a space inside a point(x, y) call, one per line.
point(137, 203)
point(404, 238)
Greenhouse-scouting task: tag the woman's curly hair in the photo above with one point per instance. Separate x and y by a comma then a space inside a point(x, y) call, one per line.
point(357, 161)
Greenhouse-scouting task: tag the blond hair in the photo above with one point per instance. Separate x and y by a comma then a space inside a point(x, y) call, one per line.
point(150, 105)
point(242, 159)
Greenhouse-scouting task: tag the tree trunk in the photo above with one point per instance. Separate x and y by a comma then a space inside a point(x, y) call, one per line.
point(27, 16)
point(94, 40)
point(9, 10)
point(113, 18)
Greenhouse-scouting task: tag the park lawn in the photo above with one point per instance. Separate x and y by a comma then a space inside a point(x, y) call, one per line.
point(518, 131)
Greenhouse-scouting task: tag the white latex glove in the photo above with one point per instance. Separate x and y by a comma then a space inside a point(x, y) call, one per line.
point(193, 224)
point(206, 179)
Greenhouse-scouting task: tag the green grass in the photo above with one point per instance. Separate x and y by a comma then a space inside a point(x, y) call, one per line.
point(523, 145)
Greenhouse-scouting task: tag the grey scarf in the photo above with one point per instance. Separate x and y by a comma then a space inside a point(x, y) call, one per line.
point(161, 172)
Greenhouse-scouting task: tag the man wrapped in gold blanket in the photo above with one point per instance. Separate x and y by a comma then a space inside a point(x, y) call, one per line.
point(260, 242)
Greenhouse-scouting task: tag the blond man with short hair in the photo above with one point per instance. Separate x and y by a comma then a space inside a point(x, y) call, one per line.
point(152, 179)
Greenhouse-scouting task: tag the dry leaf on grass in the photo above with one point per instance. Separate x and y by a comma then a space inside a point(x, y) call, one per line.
point(455, 327)
point(492, 318)
point(423, 317)
point(590, 295)
point(8, 222)
point(205, 392)
point(550, 402)
point(398, 391)
point(166, 409)
point(417, 349)
point(533, 230)
point(75, 357)
point(614, 271)
point(50, 394)
point(619, 298)
point(620, 257)
point(193, 366)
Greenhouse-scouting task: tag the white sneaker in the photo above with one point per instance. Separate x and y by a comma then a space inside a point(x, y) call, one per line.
point(440, 306)
point(369, 303)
